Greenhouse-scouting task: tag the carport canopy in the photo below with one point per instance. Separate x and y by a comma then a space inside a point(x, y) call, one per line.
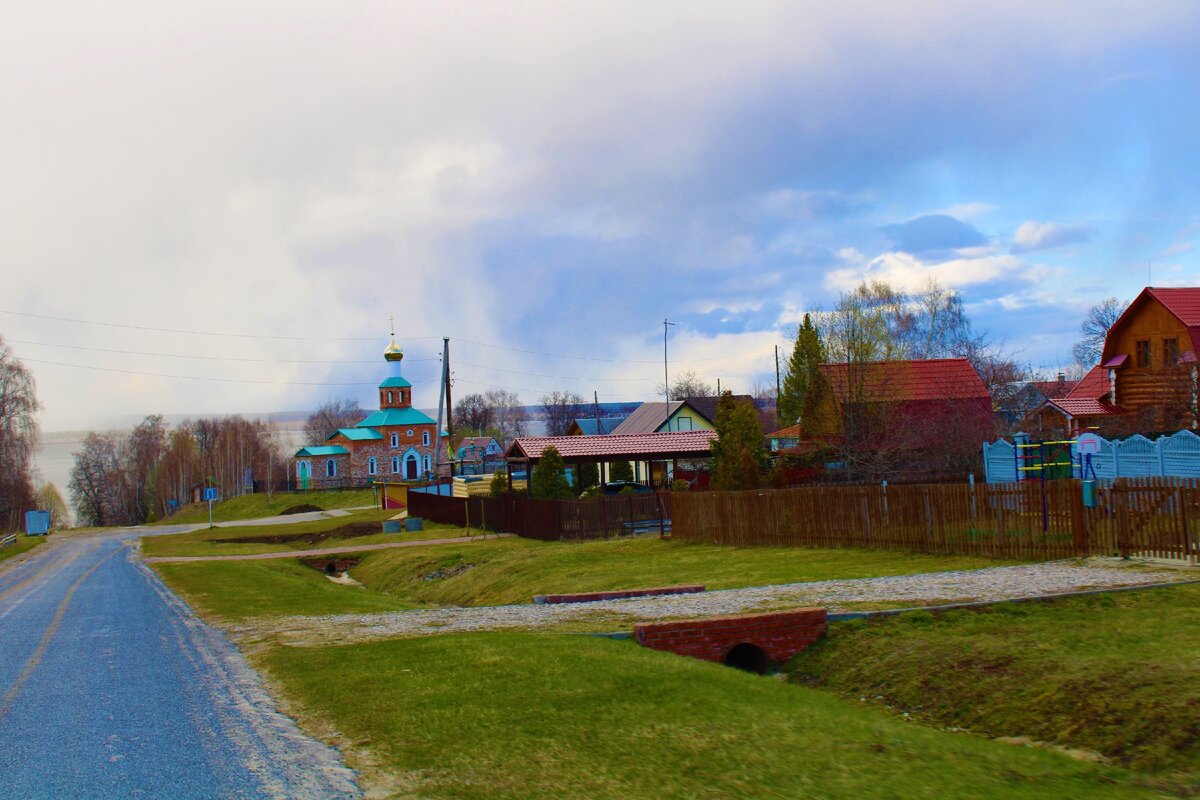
point(614, 447)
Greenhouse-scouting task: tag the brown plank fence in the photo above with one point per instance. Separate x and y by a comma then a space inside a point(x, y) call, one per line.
point(1155, 517)
point(550, 520)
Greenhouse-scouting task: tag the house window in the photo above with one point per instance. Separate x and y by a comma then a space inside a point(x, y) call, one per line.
point(408, 433)
point(683, 424)
point(372, 466)
point(427, 463)
point(395, 439)
point(395, 465)
point(425, 438)
point(1170, 352)
point(1143, 353)
point(330, 468)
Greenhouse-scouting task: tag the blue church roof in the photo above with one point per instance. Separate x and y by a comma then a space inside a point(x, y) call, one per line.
point(356, 434)
point(324, 450)
point(396, 416)
point(394, 382)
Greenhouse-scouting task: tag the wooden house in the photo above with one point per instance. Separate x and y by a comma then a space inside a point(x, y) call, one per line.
point(1146, 378)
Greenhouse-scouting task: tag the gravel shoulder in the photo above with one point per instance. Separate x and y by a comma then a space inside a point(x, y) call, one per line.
point(993, 583)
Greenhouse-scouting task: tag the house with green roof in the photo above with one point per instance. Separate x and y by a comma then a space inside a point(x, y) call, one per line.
point(395, 443)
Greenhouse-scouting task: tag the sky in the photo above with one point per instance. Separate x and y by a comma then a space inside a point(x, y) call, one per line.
point(216, 207)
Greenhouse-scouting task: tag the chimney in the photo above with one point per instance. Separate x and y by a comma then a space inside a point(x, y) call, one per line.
point(1062, 378)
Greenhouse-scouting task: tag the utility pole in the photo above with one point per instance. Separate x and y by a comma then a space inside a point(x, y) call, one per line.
point(437, 433)
point(449, 404)
point(666, 380)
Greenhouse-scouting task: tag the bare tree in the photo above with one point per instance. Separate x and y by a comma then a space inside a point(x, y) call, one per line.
point(92, 479)
point(18, 437)
point(50, 499)
point(560, 409)
point(1094, 330)
point(330, 416)
point(473, 414)
point(509, 416)
point(688, 384)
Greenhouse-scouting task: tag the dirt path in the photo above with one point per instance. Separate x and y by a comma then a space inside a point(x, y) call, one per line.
point(327, 551)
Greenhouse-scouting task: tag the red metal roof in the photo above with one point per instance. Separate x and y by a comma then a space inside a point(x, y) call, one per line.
point(1083, 407)
point(1093, 386)
point(640, 446)
point(921, 379)
point(1052, 389)
point(1184, 303)
point(791, 432)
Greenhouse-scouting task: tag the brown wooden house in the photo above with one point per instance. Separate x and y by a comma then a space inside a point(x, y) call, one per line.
point(1146, 378)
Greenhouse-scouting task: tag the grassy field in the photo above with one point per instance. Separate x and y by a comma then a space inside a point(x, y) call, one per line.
point(252, 506)
point(233, 590)
point(310, 535)
point(23, 544)
point(551, 716)
point(1117, 674)
point(513, 570)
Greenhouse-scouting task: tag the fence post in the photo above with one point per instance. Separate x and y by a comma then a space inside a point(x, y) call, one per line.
point(987, 473)
point(1078, 524)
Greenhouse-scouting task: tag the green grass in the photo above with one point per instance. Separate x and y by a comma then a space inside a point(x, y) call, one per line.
point(23, 544)
point(215, 542)
point(233, 590)
point(524, 716)
point(1118, 674)
point(513, 570)
point(252, 506)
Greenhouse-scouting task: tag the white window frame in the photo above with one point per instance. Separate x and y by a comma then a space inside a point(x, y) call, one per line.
point(425, 438)
point(394, 440)
point(330, 468)
point(428, 465)
point(372, 466)
point(396, 465)
point(409, 433)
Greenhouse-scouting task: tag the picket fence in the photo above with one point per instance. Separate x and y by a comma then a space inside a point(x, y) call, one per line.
point(1174, 456)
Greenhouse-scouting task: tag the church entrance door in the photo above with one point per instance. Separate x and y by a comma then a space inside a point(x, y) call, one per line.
point(410, 468)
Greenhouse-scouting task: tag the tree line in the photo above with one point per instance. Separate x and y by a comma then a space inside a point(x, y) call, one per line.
point(145, 474)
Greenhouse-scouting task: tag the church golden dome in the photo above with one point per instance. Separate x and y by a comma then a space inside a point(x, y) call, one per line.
point(393, 351)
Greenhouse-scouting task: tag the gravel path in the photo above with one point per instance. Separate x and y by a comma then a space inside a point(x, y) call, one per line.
point(993, 583)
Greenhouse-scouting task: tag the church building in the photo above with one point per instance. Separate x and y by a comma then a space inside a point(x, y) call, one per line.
point(395, 443)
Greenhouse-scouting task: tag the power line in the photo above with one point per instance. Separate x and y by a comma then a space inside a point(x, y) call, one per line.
point(545, 375)
point(199, 333)
point(205, 358)
point(200, 378)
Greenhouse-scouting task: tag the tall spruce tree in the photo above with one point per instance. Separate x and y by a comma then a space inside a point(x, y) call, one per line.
point(738, 454)
point(804, 385)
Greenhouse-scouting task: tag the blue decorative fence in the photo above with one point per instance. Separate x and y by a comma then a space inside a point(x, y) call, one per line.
point(1174, 456)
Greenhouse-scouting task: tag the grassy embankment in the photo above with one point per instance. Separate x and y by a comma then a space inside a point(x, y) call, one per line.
point(513, 570)
point(1116, 674)
point(357, 528)
point(539, 716)
point(490, 572)
point(251, 506)
point(24, 544)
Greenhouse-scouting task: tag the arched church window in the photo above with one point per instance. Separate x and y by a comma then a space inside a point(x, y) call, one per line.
point(372, 466)
point(330, 468)
point(395, 439)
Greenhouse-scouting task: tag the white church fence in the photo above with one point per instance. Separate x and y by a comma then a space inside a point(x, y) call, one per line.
point(1174, 456)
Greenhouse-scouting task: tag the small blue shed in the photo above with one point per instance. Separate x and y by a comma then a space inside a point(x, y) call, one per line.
point(37, 523)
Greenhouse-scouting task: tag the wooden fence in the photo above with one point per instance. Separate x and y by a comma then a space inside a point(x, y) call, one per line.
point(1155, 517)
point(549, 520)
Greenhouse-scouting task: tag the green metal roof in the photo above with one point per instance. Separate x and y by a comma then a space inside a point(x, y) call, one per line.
point(324, 450)
point(357, 434)
point(394, 382)
point(396, 416)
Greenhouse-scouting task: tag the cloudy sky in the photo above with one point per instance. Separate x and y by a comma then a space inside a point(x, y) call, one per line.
point(242, 193)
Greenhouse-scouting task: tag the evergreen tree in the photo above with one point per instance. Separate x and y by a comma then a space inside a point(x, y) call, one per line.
point(620, 471)
point(805, 388)
point(738, 454)
point(499, 483)
point(549, 481)
point(589, 475)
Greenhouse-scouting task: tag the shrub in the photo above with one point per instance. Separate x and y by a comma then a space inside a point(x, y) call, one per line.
point(620, 471)
point(499, 484)
point(679, 485)
point(549, 479)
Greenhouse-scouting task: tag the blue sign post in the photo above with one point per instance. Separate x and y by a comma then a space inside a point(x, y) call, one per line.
point(210, 495)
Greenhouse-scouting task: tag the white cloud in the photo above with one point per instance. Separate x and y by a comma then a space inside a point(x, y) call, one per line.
point(909, 273)
point(1031, 236)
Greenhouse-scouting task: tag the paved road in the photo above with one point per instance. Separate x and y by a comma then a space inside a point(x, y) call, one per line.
point(111, 688)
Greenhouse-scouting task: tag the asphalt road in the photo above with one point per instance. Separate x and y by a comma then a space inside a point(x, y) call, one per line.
point(110, 687)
